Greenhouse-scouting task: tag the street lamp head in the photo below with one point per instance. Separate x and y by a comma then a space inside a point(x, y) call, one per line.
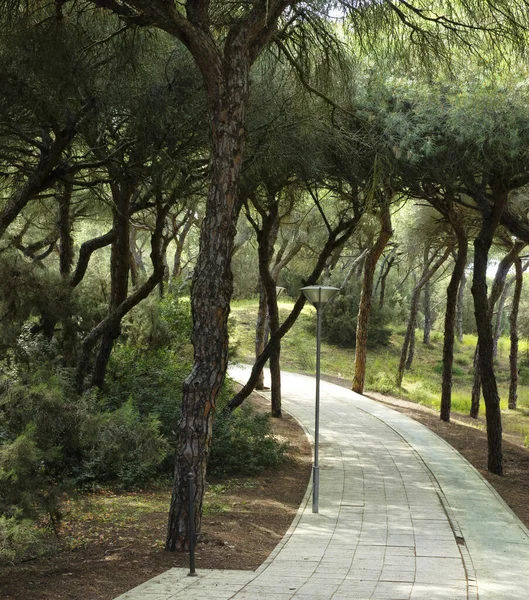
point(319, 295)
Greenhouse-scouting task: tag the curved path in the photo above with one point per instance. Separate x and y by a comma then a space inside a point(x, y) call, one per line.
point(402, 515)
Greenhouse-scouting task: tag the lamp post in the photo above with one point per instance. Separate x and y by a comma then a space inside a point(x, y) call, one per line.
point(318, 296)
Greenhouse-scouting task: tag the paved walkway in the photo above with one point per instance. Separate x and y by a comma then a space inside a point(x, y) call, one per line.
point(402, 516)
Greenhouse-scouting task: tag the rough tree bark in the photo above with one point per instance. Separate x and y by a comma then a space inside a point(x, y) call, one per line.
point(452, 295)
point(513, 321)
point(495, 293)
point(366, 297)
point(490, 216)
point(226, 73)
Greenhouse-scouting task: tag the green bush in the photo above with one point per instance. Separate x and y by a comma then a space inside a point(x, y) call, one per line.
point(151, 380)
point(40, 426)
point(243, 443)
point(121, 447)
point(20, 538)
point(339, 323)
point(382, 382)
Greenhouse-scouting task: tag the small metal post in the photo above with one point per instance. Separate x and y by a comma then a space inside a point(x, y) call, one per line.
point(191, 517)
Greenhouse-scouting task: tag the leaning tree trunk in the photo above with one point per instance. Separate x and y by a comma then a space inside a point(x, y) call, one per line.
point(513, 321)
point(460, 307)
point(210, 298)
point(366, 298)
point(115, 317)
point(337, 238)
point(119, 276)
point(482, 244)
point(452, 295)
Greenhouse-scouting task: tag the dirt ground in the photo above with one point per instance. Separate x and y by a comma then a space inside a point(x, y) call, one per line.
point(254, 515)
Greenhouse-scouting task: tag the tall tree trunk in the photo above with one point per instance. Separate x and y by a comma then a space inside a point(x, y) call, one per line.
point(409, 336)
point(366, 297)
point(460, 307)
point(119, 275)
point(411, 344)
point(499, 316)
point(482, 243)
point(513, 321)
point(429, 270)
point(427, 308)
point(260, 330)
point(476, 386)
point(496, 292)
point(266, 237)
point(210, 296)
point(452, 295)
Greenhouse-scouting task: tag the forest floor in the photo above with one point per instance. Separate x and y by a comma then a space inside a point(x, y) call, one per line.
point(113, 542)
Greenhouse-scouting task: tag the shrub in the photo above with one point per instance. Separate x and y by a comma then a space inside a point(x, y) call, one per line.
point(382, 382)
point(151, 380)
point(40, 425)
point(121, 447)
point(19, 537)
point(243, 443)
point(339, 323)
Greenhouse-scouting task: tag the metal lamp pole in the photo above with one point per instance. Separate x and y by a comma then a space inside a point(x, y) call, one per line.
point(318, 296)
point(316, 466)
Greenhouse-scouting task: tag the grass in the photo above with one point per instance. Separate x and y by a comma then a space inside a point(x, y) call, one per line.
point(421, 384)
point(95, 517)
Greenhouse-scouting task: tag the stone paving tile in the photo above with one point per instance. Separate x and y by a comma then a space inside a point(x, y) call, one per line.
point(385, 530)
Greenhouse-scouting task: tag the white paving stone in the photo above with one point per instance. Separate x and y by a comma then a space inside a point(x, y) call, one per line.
point(393, 497)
